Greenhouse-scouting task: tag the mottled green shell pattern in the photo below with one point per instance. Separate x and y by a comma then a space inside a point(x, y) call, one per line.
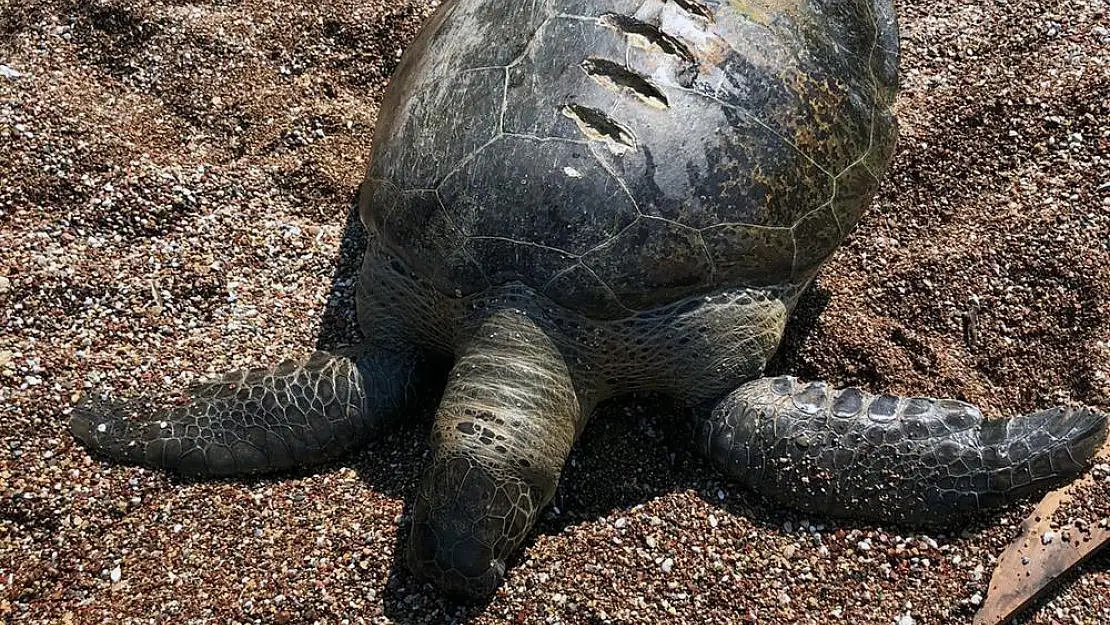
point(620, 158)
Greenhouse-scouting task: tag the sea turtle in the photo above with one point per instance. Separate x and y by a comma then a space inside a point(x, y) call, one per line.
point(570, 200)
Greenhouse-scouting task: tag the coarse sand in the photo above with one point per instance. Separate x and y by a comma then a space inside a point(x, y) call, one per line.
point(176, 185)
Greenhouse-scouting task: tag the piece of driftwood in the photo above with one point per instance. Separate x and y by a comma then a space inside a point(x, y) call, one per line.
point(1040, 555)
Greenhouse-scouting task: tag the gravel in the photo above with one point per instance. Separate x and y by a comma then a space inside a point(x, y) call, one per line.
point(177, 182)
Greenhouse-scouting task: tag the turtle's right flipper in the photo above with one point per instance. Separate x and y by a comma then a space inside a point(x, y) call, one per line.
point(917, 461)
point(259, 421)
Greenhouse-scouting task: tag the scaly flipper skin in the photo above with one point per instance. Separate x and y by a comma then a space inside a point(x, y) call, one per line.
point(261, 420)
point(915, 461)
point(502, 434)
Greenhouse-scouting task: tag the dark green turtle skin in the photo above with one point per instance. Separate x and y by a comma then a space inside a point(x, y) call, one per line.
point(572, 200)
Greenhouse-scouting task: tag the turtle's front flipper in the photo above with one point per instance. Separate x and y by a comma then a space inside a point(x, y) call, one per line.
point(884, 458)
point(260, 420)
point(505, 426)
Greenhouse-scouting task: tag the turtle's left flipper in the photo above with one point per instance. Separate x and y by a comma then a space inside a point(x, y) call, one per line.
point(846, 453)
point(261, 420)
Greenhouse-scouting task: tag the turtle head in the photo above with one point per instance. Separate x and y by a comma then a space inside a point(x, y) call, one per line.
point(470, 523)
